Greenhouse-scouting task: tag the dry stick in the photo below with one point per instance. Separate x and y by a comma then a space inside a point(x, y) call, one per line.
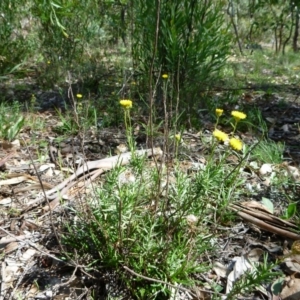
point(55, 202)
point(16, 238)
point(83, 294)
point(93, 176)
point(3, 160)
point(158, 167)
point(125, 83)
point(48, 203)
point(264, 216)
point(166, 146)
point(72, 278)
point(70, 184)
point(268, 227)
point(73, 101)
point(169, 284)
point(44, 192)
point(29, 177)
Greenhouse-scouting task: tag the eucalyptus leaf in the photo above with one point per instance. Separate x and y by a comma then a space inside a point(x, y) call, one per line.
point(268, 204)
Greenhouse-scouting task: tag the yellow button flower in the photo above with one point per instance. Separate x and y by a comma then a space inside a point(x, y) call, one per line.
point(165, 76)
point(220, 135)
point(238, 115)
point(126, 103)
point(178, 137)
point(79, 96)
point(219, 112)
point(296, 247)
point(236, 144)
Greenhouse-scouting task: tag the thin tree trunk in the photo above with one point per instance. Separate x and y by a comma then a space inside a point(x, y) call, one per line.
point(296, 32)
point(290, 32)
point(230, 12)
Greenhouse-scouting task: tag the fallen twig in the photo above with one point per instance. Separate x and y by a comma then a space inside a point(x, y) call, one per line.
point(91, 168)
point(260, 219)
point(163, 282)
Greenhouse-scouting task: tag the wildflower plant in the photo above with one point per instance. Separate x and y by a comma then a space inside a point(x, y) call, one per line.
point(238, 116)
point(178, 140)
point(221, 136)
point(219, 113)
point(171, 232)
point(127, 105)
point(229, 140)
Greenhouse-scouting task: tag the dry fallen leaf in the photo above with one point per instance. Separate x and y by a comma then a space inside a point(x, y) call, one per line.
point(11, 247)
point(292, 263)
point(220, 269)
point(256, 205)
point(29, 253)
point(13, 180)
point(6, 201)
point(291, 290)
point(242, 264)
point(265, 169)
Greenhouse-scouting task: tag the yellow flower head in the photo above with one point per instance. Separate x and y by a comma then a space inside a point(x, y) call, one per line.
point(178, 137)
point(296, 247)
point(236, 144)
point(219, 112)
point(220, 135)
point(238, 115)
point(127, 104)
point(165, 76)
point(79, 96)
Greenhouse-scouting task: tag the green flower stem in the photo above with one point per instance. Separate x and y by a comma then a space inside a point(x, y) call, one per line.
point(235, 170)
point(128, 127)
point(235, 126)
point(217, 122)
point(176, 148)
point(212, 152)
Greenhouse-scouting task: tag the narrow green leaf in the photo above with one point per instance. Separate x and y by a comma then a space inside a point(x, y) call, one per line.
point(291, 210)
